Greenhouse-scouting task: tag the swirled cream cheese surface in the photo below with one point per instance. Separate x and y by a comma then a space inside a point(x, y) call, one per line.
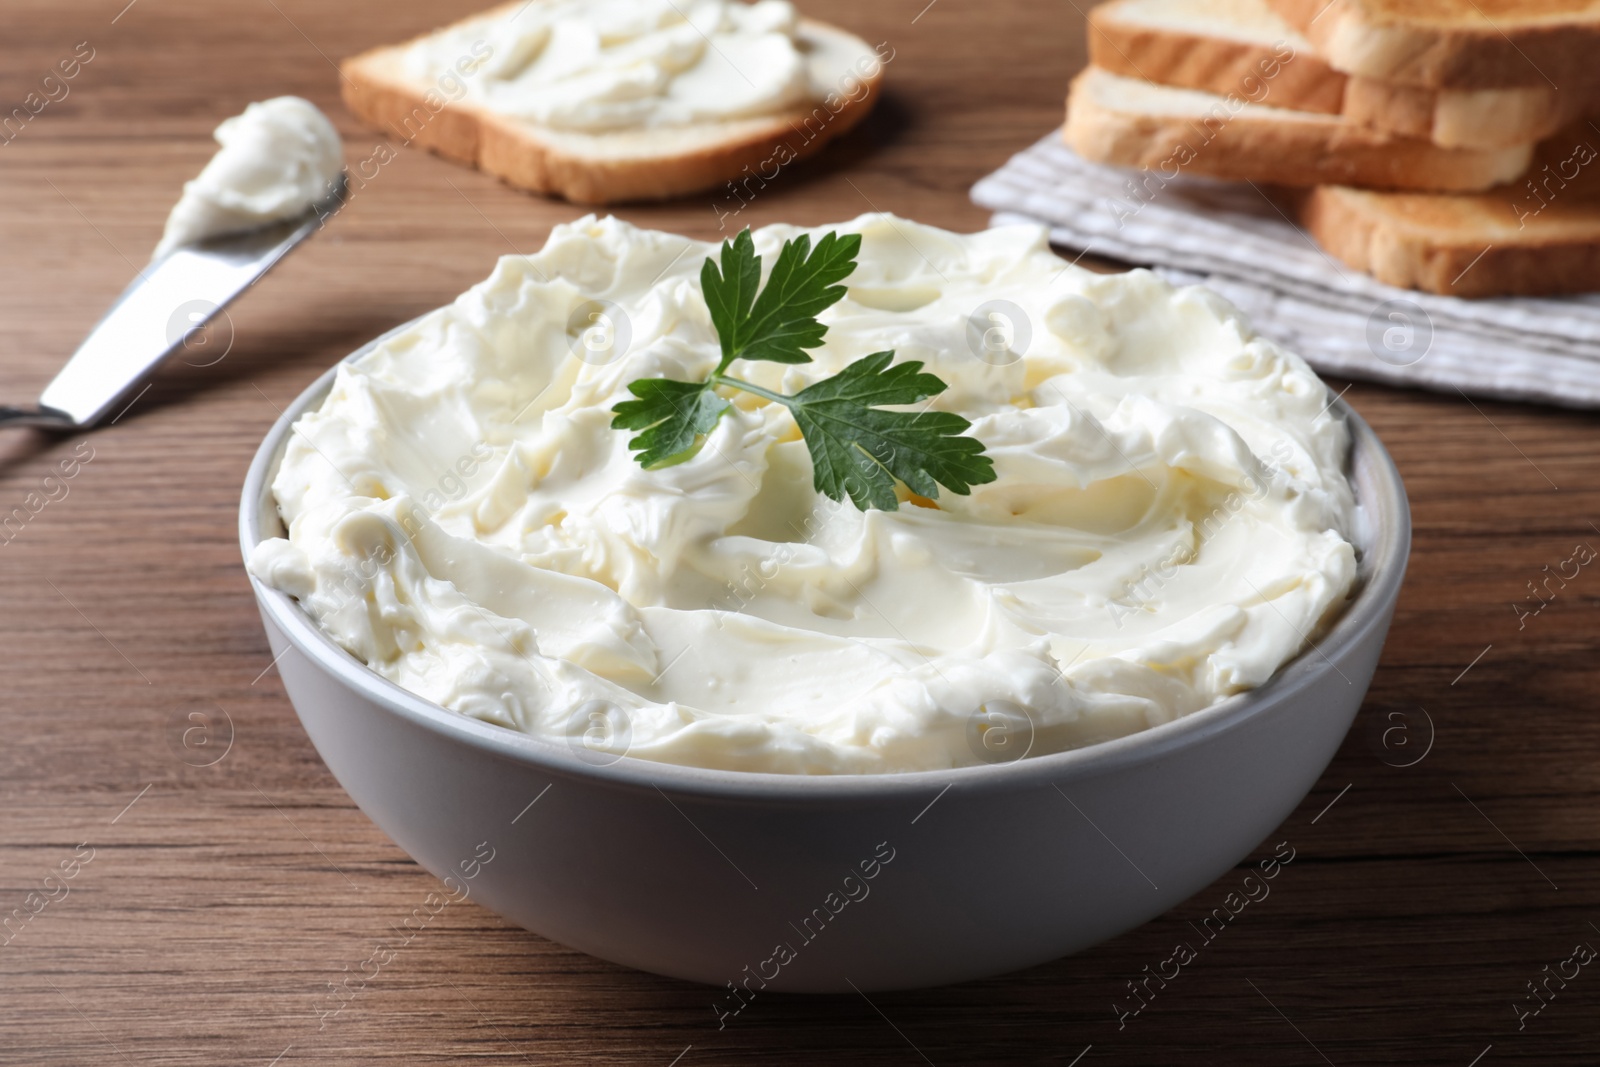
point(599, 66)
point(277, 159)
point(1168, 524)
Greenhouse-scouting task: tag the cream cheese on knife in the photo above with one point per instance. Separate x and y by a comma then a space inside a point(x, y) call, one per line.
point(277, 159)
point(1167, 528)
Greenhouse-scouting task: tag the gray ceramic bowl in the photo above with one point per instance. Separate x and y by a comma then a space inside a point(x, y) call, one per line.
point(824, 884)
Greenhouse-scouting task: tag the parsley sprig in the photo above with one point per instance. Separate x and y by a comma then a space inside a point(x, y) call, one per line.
point(858, 448)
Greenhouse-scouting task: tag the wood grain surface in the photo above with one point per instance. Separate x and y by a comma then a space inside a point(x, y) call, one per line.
point(209, 906)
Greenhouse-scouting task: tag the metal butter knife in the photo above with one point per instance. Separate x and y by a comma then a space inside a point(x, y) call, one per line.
point(157, 313)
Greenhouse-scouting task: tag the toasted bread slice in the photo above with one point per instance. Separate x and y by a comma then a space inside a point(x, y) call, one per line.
point(1484, 244)
point(1236, 46)
point(1132, 123)
point(1216, 46)
point(1458, 44)
point(633, 164)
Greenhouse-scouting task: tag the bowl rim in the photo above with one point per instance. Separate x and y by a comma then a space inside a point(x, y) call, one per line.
point(1385, 519)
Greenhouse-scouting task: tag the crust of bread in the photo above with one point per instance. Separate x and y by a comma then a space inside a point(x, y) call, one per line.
point(1115, 120)
point(1282, 75)
point(593, 168)
point(1453, 44)
point(1480, 245)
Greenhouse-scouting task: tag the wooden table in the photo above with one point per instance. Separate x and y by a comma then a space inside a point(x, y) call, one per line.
point(210, 905)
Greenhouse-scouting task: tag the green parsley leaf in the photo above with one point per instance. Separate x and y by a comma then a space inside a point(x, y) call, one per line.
point(730, 291)
point(859, 449)
point(779, 324)
point(673, 415)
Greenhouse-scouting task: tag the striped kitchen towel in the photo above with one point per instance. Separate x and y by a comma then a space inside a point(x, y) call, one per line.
point(1231, 238)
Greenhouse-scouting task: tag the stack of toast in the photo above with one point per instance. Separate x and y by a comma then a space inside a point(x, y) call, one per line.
point(1426, 142)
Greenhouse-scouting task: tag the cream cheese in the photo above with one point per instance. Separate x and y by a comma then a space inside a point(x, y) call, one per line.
point(277, 159)
point(1167, 527)
point(602, 66)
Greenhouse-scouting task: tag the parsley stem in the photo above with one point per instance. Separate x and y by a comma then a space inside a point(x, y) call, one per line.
point(723, 379)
